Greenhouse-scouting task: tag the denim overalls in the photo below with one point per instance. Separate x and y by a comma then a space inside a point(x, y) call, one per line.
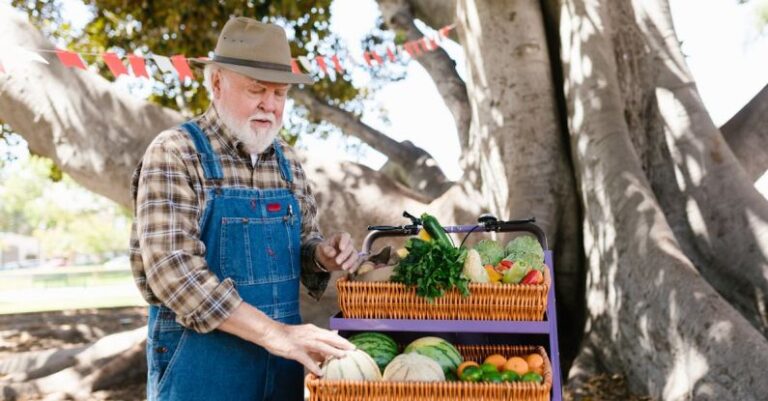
point(253, 237)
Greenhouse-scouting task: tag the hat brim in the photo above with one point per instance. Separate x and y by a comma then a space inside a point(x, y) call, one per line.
point(261, 74)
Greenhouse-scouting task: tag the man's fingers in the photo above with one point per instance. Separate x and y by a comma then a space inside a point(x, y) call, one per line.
point(352, 263)
point(327, 350)
point(335, 340)
point(312, 365)
point(344, 241)
point(329, 251)
point(344, 254)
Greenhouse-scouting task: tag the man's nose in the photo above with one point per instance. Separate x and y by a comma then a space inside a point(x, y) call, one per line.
point(268, 102)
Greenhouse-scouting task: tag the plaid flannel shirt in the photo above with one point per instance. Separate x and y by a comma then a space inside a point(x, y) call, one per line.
point(167, 255)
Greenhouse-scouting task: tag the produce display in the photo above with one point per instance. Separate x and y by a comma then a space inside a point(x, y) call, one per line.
point(355, 365)
point(427, 359)
point(432, 264)
point(497, 369)
point(381, 347)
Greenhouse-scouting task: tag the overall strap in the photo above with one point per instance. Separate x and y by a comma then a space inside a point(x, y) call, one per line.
point(211, 166)
point(285, 166)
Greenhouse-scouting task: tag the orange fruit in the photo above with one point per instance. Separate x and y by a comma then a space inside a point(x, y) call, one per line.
point(517, 365)
point(464, 365)
point(535, 363)
point(497, 360)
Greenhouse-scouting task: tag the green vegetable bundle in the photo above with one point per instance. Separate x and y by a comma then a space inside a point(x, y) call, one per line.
point(433, 267)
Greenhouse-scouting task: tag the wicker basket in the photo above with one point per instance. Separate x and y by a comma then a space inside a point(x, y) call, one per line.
point(386, 300)
point(347, 390)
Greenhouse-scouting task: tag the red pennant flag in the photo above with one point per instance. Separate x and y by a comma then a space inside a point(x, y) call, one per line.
point(390, 55)
point(70, 59)
point(295, 66)
point(412, 48)
point(377, 58)
point(114, 64)
point(321, 63)
point(138, 66)
point(180, 63)
point(434, 44)
point(337, 64)
point(367, 58)
point(444, 31)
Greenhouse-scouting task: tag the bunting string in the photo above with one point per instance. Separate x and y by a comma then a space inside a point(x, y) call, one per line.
point(330, 65)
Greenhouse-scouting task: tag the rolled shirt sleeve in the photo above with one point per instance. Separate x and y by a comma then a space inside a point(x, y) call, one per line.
point(167, 216)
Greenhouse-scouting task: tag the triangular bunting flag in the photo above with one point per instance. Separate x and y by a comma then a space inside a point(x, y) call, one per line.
point(321, 63)
point(433, 43)
point(367, 58)
point(305, 63)
point(164, 63)
point(425, 43)
point(391, 55)
point(295, 66)
point(377, 58)
point(70, 59)
point(412, 48)
point(444, 31)
point(138, 66)
point(337, 64)
point(180, 62)
point(114, 64)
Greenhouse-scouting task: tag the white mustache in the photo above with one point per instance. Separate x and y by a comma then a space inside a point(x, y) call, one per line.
point(259, 116)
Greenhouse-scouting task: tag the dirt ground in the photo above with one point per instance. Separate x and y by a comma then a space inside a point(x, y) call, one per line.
point(37, 331)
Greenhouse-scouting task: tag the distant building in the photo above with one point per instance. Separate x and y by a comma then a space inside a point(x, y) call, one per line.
point(15, 249)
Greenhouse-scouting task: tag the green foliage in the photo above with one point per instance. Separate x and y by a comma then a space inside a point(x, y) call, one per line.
point(432, 267)
point(191, 28)
point(30, 205)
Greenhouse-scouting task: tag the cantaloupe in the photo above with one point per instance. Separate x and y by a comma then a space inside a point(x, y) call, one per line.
point(413, 367)
point(356, 365)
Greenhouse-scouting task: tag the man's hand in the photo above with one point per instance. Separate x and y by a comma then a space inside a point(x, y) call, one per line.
point(306, 344)
point(337, 253)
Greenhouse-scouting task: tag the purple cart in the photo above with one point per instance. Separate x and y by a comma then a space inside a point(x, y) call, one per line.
point(486, 223)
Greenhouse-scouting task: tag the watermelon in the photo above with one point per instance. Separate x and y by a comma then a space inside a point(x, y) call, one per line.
point(381, 347)
point(413, 367)
point(439, 350)
point(355, 365)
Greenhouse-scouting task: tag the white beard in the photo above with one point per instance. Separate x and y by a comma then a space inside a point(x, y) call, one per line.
point(257, 140)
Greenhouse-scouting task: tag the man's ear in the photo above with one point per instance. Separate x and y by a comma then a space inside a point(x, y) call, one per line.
point(216, 83)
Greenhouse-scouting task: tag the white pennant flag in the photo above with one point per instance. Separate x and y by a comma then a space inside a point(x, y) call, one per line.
point(305, 63)
point(164, 63)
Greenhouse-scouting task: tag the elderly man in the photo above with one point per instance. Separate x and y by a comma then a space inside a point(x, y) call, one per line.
point(225, 229)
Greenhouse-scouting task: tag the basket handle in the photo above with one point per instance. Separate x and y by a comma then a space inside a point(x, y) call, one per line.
point(486, 223)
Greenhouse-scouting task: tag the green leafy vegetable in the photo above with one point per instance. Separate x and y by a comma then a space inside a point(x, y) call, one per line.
point(490, 251)
point(432, 267)
point(525, 248)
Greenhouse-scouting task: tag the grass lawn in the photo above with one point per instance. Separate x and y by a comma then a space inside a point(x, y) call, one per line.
point(37, 290)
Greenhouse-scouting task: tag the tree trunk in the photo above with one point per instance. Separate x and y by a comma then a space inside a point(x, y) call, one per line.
point(724, 214)
point(645, 299)
point(517, 155)
point(747, 135)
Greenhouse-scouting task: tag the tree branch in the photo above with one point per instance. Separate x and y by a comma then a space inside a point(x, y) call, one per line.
point(415, 167)
point(398, 15)
point(747, 135)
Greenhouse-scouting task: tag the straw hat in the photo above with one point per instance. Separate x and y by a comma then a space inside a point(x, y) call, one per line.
point(256, 50)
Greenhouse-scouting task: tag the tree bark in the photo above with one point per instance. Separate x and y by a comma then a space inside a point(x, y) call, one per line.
point(726, 218)
point(645, 299)
point(517, 156)
point(747, 135)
